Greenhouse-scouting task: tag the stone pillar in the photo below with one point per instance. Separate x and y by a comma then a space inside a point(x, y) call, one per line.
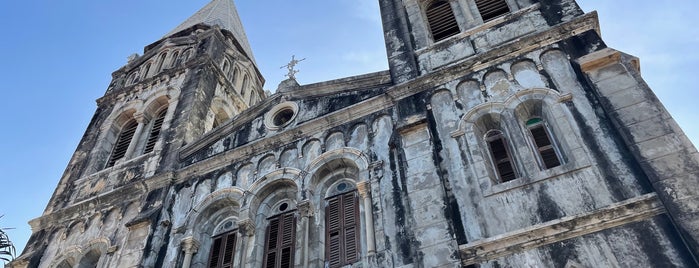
point(305, 208)
point(364, 189)
point(141, 119)
point(665, 154)
point(246, 229)
point(190, 246)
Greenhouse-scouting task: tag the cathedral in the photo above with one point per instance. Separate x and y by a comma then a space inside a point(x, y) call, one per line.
point(505, 133)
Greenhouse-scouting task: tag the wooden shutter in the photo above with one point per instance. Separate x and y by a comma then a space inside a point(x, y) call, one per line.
point(222, 251)
point(342, 230)
point(123, 141)
point(542, 140)
point(491, 9)
point(154, 133)
point(281, 238)
point(215, 253)
point(501, 156)
point(441, 20)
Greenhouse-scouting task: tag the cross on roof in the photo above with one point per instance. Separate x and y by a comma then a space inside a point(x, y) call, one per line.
point(292, 73)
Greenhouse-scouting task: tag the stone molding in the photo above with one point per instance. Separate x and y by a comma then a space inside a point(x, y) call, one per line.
point(631, 210)
point(364, 188)
point(246, 227)
point(190, 245)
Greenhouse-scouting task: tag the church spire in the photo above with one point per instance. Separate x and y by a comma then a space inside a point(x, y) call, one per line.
point(222, 13)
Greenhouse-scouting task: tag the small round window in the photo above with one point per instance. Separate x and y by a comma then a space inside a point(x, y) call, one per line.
point(342, 186)
point(284, 206)
point(281, 115)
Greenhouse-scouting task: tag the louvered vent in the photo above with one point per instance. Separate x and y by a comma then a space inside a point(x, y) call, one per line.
point(155, 131)
point(491, 9)
point(501, 156)
point(441, 20)
point(542, 140)
point(122, 143)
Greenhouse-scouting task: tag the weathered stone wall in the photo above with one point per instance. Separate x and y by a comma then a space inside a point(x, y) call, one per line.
point(410, 144)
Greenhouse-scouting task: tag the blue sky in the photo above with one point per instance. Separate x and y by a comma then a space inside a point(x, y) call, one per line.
point(58, 56)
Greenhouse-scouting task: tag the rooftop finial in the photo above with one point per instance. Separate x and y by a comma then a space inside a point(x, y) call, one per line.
point(292, 73)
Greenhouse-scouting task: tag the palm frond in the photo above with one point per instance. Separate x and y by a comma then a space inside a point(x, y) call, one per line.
point(7, 249)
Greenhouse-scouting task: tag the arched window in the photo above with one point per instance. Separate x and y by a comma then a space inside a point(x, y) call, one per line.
point(122, 143)
point(146, 70)
point(219, 118)
point(441, 20)
point(491, 9)
point(280, 241)
point(342, 227)
point(90, 260)
point(546, 149)
point(226, 67)
point(500, 155)
point(133, 78)
point(235, 76)
point(161, 61)
point(173, 61)
point(154, 132)
point(244, 87)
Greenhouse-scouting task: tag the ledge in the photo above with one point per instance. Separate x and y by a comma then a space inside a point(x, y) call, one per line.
point(631, 210)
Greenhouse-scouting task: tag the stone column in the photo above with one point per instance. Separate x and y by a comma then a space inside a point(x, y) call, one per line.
point(246, 229)
point(364, 189)
point(305, 208)
point(141, 119)
point(190, 246)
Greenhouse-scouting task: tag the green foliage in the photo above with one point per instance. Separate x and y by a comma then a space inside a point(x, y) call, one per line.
point(7, 249)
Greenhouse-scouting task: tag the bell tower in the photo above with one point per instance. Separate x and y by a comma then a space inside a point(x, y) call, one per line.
point(196, 78)
point(423, 36)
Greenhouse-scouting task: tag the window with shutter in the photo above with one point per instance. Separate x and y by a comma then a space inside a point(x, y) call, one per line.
point(123, 141)
point(342, 229)
point(280, 241)
point(222, 250)
point(500, 155)
point(491, 9)
point(441, 20)
point(154, 133)
point(545, 148)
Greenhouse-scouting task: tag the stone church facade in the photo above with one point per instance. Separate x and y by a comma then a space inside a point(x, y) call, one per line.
point(504, 134)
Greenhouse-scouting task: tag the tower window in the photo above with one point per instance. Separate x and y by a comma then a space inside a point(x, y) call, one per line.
point(545, 148)
point(146, 71)
point(154, 133)
point(279, 246)
point(491, 9)
point(161, 61)
point(222, 251)
point(123, 141)
point(173, 61)
point(341, 229)
point(441, 20)
point(500, 155)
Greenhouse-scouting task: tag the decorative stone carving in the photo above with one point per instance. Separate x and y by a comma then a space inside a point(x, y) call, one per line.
point(190, 245)
point(305, 208)
point(246, 227)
